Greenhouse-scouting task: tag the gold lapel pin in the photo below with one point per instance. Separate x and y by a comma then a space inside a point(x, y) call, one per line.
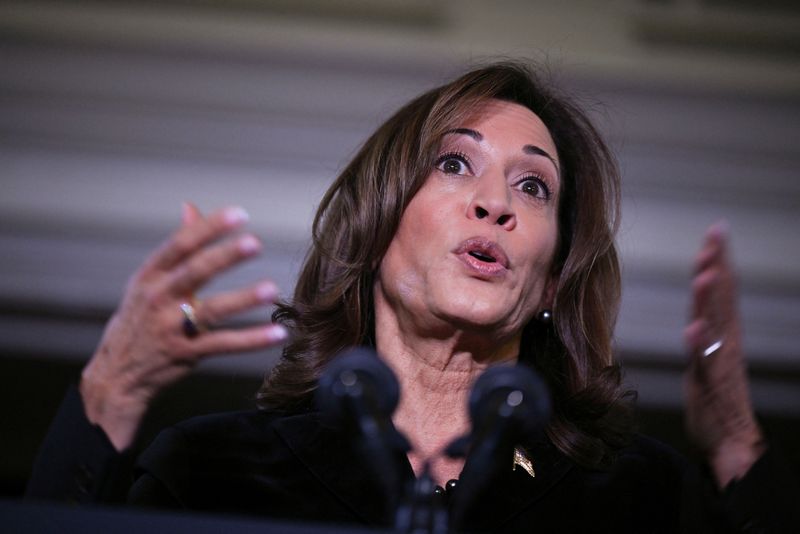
point(522, 460)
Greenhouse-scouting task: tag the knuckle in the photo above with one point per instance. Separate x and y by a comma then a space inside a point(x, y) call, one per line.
point(181, 351)
point(182, 243)
point(186, 272)
point(137, 279)
point(211, 262)
point(186, 277)
point(208, 315)
point(153, 298)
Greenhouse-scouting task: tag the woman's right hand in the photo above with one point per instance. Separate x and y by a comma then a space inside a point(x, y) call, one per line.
point(145, 348)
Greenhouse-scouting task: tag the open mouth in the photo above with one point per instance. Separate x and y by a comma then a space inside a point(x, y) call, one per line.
point(481, 256)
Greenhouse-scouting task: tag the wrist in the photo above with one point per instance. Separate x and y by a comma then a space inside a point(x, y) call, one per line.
point(734, 457)
point(108, 407)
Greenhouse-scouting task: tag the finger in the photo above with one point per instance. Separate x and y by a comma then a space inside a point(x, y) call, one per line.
point(714, 294)
point(190, 214)
point(697, 337)
point(694, 335)
point(708, 256)
point(714, 246)
point(219, 307)
point(229, 341)
point(703, 293)
point(209, 262)
point(188, 239)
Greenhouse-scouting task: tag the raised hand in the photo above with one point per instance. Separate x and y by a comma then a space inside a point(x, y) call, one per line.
point(147, 345)
point(719, 414)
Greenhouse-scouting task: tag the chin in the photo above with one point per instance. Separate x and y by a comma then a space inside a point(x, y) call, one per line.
point(476, 313)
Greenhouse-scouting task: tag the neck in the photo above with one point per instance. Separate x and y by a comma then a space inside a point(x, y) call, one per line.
point(436, 374)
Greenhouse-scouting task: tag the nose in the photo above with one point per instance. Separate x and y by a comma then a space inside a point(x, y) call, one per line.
point(491, 201)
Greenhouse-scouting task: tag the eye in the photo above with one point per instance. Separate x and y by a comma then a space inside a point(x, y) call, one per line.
point(535, 187)
point(453, 163)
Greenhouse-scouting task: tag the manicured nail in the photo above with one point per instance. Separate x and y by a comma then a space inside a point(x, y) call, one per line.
point(266, 292)
point(249, 244)
point(236, 215)
point(277, 332)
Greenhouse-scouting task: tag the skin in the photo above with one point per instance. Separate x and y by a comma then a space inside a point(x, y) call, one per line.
point(440, 322)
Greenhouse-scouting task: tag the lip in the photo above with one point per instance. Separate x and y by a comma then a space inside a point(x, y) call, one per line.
point(484, 247)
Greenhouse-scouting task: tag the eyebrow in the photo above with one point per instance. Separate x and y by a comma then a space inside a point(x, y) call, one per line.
point(527, 149)
point(536, 151)
point(466, 131)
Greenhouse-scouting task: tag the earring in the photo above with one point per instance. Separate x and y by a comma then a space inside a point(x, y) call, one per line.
point(545, 316)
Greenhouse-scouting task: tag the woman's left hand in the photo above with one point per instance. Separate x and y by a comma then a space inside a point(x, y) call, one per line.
point(719, 413)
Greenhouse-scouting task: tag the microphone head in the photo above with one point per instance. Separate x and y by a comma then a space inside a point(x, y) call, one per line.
point(357, 374)
point(516, 393)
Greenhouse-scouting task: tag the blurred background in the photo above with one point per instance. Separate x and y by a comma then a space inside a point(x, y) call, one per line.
point(113, 112)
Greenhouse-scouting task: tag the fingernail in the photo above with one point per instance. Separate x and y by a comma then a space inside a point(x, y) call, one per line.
point(277, 332)
point(249, 244)
point(266, 292)
point(236, 215)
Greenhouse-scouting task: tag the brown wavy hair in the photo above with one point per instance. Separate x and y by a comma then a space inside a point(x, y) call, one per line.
point(332, 307)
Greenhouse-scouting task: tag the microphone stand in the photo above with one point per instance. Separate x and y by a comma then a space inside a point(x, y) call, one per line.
point(360, 392)
point(488, 452)
point(378, 440)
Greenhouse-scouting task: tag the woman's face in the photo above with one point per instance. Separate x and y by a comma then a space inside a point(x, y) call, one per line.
point(475, 245)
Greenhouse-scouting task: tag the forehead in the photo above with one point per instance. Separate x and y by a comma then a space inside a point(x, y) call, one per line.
point(502, 122)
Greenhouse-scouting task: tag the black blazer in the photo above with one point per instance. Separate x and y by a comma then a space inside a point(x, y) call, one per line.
point(299, 467)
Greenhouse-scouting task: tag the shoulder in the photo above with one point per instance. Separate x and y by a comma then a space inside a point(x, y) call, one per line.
point(218, 462)
point(223, 433)
point(232, 440)
point(645, 475)
point(249, 424)
point(651, 451)
point(641, 490)
point(650, 462)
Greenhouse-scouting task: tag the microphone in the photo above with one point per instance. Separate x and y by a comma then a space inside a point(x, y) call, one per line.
point(357, 387)
point(509, 402)
point(360, 392)
point(508, 406)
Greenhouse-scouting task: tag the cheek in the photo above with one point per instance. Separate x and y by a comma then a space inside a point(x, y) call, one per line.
point(425, 221)
point(418, 239)
point(539, 266)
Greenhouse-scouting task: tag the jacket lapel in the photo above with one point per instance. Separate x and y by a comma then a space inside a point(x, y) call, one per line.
point(511, 492)
point(330, 454)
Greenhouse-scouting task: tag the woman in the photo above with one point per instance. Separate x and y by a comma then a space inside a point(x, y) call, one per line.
point(474, 228)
